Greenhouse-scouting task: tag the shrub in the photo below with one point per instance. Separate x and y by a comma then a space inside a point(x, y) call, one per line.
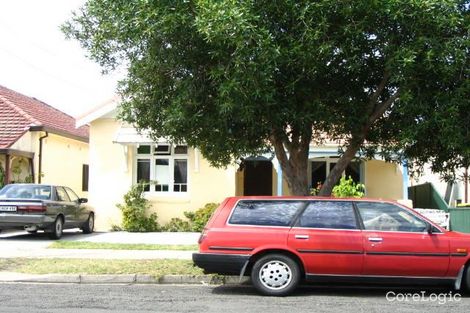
point(348, 189)
point(134, 211)
point(176, 224)
point(2, 175)
point(199, 218)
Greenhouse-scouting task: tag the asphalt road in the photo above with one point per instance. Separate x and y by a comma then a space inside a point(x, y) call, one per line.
point(62, 298)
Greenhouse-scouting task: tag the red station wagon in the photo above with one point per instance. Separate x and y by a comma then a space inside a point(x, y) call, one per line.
point(279, 241)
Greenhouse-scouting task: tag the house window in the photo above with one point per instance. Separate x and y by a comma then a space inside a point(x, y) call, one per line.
point(164, 166)
point(321, 168)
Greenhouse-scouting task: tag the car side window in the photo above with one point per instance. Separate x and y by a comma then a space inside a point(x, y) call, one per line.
point(328, 214)
point(62, 195)
point(265, 213)
point(388, 217)
point(72, 195)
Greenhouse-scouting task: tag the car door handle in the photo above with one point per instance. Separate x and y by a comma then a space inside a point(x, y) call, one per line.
point(375, 239)
point(302, 236)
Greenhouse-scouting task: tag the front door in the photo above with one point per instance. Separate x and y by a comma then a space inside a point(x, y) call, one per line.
point(258, 178)
point(396, 243)
point(328, 239)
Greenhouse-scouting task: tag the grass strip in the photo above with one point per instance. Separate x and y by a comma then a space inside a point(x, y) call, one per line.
point(155, 268)
point(62, 244)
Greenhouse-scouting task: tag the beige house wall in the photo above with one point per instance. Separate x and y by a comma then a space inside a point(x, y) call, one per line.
point(383, 180)
point(113, 171)
point(62, 162)
point(62, 159)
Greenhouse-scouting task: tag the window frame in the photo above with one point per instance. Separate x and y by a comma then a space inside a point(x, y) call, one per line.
point(65, 192)
point(333, 160)
point(70, 192)
point(435, 229)
point(293, 221)
point(171, 157)
point(358, 223)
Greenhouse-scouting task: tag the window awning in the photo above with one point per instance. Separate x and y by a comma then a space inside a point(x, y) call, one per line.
point(130, 136)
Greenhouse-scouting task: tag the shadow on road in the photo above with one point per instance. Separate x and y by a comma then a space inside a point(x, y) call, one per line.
point(69, 235)
point(368, 291)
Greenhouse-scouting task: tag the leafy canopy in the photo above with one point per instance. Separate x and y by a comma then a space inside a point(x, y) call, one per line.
point(234, 78)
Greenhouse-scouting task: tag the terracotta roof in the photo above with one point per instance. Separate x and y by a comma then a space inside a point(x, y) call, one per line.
point(19, 112)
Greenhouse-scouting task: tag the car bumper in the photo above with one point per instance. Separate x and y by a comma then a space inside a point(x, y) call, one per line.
point(9, 220)
point(223, 264)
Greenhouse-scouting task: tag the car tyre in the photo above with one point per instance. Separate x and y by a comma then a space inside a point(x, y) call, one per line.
point(275, 275)
point(57, 228)
point(89, 225)
point(466, 280)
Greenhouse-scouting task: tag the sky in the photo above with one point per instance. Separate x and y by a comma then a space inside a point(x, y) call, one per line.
point(37, 61)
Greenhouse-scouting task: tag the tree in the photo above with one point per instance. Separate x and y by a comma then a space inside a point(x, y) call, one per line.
point(237, 78)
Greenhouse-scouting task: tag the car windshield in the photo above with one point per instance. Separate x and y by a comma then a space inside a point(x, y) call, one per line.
point(26, 192)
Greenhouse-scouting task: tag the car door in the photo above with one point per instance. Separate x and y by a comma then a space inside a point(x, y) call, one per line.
point(79, 211)
point(327, 237)
point(397, 243)
point(68, 208)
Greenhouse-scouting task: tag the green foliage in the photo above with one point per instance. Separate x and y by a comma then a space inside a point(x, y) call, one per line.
point(348, 189)
point(195, 220)
point(236, 78)
point(177, 225)
point(200, 217)
point(316, 190)
point(134, 211)
point(2, 175)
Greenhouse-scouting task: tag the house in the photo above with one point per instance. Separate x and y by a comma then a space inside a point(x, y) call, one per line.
point(40, 144)
point(453, 193)
point(182, 180)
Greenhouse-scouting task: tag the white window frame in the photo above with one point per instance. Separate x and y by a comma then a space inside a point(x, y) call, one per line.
point(171, 158)
point(329, 161)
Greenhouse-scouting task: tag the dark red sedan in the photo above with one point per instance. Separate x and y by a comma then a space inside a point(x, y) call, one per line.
point(279, 241)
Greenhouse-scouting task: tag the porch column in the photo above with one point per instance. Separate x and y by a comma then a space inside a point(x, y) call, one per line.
point(278, 168)
point(405, 179)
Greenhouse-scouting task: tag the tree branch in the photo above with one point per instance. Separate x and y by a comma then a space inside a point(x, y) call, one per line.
point(281, 155)
point(375, 96)
point(381, 108)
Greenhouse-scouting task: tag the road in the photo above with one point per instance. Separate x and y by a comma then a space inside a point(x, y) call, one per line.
point(64, 298)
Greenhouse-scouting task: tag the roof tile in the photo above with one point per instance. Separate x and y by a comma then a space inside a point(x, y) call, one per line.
point(19, 112)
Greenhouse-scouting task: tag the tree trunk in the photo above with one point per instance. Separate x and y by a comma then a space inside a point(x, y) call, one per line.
point(339, 168)
point(294, 164)
point(377, 109)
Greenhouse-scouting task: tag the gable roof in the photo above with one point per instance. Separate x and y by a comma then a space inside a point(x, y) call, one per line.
point(106, 109)
point(20, 113)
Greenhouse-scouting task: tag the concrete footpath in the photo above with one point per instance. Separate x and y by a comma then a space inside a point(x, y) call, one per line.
point(24, 245)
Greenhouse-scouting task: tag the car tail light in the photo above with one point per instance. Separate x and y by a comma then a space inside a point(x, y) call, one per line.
point(32, 208)
point(203, 236)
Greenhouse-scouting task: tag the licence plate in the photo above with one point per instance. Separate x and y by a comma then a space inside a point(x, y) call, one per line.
point(7, 208)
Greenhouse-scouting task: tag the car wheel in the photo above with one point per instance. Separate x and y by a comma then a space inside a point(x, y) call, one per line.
point(57, 228)
point(466, 279)
point(275, 275)
point(89, 225)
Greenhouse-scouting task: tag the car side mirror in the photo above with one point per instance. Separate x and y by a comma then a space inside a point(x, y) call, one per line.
point(82, 200)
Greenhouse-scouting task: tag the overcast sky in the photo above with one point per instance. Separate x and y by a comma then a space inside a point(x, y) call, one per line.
point(37, 60)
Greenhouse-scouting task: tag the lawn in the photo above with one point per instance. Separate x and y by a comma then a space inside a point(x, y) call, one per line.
point(155, 268)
